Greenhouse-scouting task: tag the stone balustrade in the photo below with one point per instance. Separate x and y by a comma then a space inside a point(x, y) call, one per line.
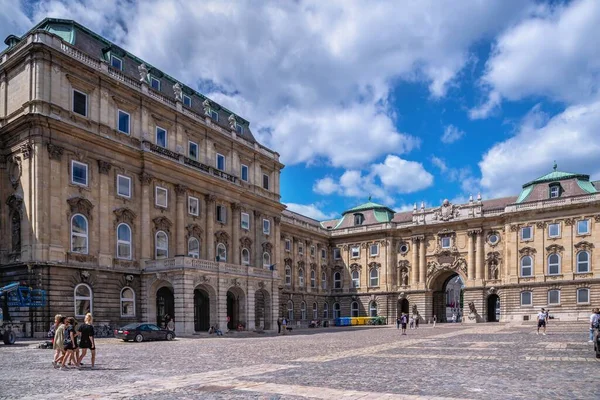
point(190, 263)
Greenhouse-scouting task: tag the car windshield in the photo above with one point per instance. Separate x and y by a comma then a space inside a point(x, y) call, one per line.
point(153, 327)
point(131, 326)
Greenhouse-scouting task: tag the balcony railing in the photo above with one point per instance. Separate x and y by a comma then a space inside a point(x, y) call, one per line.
point(189, 263)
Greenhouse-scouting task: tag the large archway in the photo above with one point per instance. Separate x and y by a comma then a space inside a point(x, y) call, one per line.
point(236, 308)
point(201, 310)
point(493, 308)
point(403, 307)
point(262, 310)
point(448, 288)
point(165, 305)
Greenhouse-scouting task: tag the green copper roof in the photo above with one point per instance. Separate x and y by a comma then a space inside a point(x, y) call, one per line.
point(586, 186)
point(383, 215)
point(524, 194)
point(368, 206)
point(557, 176)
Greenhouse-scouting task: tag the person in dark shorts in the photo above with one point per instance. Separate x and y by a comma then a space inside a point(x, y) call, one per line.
point(403, 321)
point(69, 342)
point(86, 332)
point(541, 320)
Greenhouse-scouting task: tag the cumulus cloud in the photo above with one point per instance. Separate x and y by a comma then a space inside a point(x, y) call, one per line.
point(452, 134)
point(550, 54)
point(570, 138)
point(13, 20)
point(313, 77)
point(310, 210)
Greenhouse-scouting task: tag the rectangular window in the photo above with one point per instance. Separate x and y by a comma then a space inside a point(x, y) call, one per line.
point(526, 233)
point(265, 181)
point(161, 137)
point(221, 214)
point(266, 227)
point(312, 251)
point(583, 227)
point(374, 249)
point(193, 150)
point(583, 296)
point(553, 230)
point(554, 192)
point(220, 162)
point(526, 298)
point(123, 120)
point(337, 254)
point(162, 196)
point(245, 221)
point(116, 62)
point(154, 83)
point(79, 173)
point(214, 115)
point(79, 102)
point(239, 129)
point(323, 254)
point(124, 186)
point(244, 173)
point(355, 251)
point(187, 101)
point(288, 245)
point(445, 243)
point(193, 206)
point(300, 248)
point(553, 297)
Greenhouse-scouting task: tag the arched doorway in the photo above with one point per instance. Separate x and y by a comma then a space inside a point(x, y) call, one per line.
point(493, 308)
point(165, 305)
point(235, 308)
point(262, 310)
point(448, 291)
point(403, 307)
point(201, 310)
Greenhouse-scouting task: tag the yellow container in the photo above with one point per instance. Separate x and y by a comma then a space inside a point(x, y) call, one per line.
point(354, 321)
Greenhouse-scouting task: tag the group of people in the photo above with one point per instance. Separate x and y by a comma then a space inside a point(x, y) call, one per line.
point(282, 324)
point(404, 319)
point(69, 339)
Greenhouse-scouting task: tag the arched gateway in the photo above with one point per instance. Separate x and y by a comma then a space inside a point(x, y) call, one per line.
point(447, 287)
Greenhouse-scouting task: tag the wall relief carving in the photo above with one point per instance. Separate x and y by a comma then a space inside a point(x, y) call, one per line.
point(194, 230)
point(162, 224)
point(459, 264)
point(124, 214)
point(222, 237)
point(446, 211)
point(80, 205)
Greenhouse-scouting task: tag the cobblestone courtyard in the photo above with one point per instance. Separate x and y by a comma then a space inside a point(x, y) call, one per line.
point(450, 361)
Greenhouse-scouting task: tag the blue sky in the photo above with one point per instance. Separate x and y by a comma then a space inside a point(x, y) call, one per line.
point(404, 101)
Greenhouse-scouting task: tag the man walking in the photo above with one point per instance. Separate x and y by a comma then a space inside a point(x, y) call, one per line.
point(541, 320)
point(434, 320)
point(398, 323)
point(594, 321)
point(278, 325)
point(403, 321)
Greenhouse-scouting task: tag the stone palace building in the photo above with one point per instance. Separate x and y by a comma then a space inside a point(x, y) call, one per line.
point(128, 194)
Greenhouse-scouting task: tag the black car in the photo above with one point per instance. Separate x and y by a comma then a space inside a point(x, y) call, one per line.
point(597, 342)
point(142, 331)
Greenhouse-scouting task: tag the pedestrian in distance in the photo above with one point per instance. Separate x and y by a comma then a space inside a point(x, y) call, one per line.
point(453, 317)
point(434, 320)
point(278, 325)
point(171, 324)
point(69, 343)
point(284, 326)
point(398, 323)
point(541, 322)
point(594, 322)
point(403, 320)
point(87, 341)
point(411, 323)
point(59, 338)
point(417, 321)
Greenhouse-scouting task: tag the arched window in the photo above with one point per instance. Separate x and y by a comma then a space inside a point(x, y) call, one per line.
point(221, 253)
point(583, 261)
point(245, 256)
point(355, 279)
point(325, 311)
point(301, 277)
point(337, 280)
point(324, 280)
point(290, 310)
point(315, 311)
point(83, 300)
point(374, 277)
point(336, 310)
point(303, 311)
point(527, 266)
point(553, 264)
point(266, 259)
point(124, 242)
point(193, 248)
point(79, 234)
point(373, 309)
point(127, 302)
point(162, 245)
point(313, 279)
point(288, 275)
point(354, 309)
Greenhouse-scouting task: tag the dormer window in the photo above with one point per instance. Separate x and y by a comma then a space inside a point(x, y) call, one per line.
point(359, 219)
point(213, 114)
point(554, 191)
point(239, 129)
point(154, 83)
point(187, 101)
point(116, 62)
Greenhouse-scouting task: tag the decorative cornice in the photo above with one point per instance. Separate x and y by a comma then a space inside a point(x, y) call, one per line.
point(210, 198)
point(145, 178)
point(180, 190)
point(55, 152)
point(222, 237)
point(584, 245)
point(80, 205)
point(104, 167)
point(554, 248)
point(527, 251)
point(194, 230)
point(162, 224)
point(124, 214)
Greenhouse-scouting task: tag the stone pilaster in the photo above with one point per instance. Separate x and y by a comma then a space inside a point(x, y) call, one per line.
point(479, 256)
point(210, 228)
point(391, 270)
point(422, 265)
point(147, 237)
point(250, 307)
point(258, 238)
point(414, 274)
point(105, 255)
point(57, 249)
point(235, 233)
point(470, 256)
point(180, 248)
point(275, 257)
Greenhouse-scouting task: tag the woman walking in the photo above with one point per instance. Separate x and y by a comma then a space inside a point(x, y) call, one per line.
point(86, 330)
point(69, 343)
point(59, 338)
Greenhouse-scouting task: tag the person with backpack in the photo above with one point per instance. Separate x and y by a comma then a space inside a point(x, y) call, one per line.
point(541, 320)
point(594, 322)
point(403, 321)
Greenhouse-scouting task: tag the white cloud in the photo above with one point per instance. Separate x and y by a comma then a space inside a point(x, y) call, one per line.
point(394, 169)
point(452, 134)
point(312, 76)
point(570, 138)
point(310, 210)
point(325, 186)
point(551, 54)
point(13, 20)
point(439, 163)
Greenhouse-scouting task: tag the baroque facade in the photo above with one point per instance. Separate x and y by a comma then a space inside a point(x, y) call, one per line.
point(128, 194)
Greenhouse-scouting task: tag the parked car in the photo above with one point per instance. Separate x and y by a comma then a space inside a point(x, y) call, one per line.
point(143, 331)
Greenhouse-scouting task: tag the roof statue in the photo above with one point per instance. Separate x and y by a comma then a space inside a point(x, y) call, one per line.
point(178, 91)
point(143, 70)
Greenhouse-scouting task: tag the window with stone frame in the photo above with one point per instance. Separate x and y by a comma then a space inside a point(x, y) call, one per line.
point(127, 302)
point(161, 245)
point(354, 309)
point(553, 297)
point(374, 277)
point(355, 251)
point(583, 296)
point(301, 277)
point(124, 241)
point(303, 311)
point(336, 310)
point(290, 311)
point(288, 275)
point(221, 252)
point(313, 279)
point(554, 230)
point(325, 310)
point(583, 262)
point(79, 234)
point(355, 279)
point(373, 309)
point(245, 256)
point(337, 280)
point(83, 297)
point(583, 227)
point(193, 247)
point(526, 299)
point(526, 233)
point(526, 266)
point(315, 311)
point(80, 102)
point(323, 280)
point(193, 206)
point(553, 264)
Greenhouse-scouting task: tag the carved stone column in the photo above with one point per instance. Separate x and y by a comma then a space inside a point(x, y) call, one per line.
point(105, 256)
point(422, 266)
point(257, 239)
point(235, 233)
point(147, 239)
point(470, 256)
point(390, 268)
point(180, 191)
point(414, 274)
point(210, 227)
point(479, 256)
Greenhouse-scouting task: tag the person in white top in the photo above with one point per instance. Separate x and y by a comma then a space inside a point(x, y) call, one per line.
point(593, 323)
point(541, 320)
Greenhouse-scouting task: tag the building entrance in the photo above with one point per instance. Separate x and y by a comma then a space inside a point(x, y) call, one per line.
point(165, 306)
point(448, 297)
point(493, 308)
point(201, 311)
point(403, 307)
